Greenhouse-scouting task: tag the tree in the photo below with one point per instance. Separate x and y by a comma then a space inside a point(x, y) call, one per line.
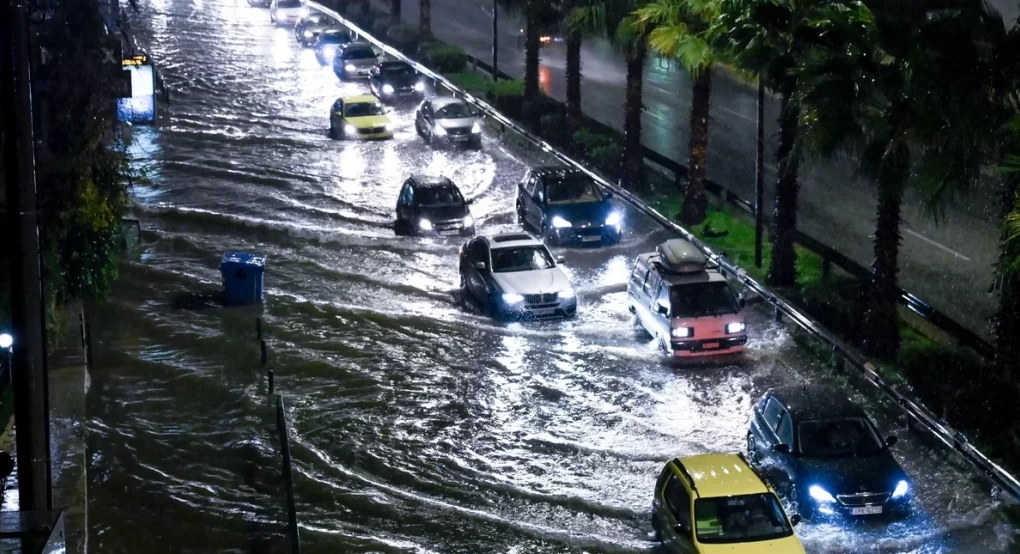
point(612, 20)
point(424, 18)
point(396, 7)
point(677, 29)
point(888, 94)
point(574, 37)
point(535, 12)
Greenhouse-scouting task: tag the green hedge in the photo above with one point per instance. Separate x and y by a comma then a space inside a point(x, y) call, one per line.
point(507, 97)
point(444, 58)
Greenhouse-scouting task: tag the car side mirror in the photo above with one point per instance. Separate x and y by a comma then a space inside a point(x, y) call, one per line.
point(664, 310)
point(479, 265)
point(794, 519)
point(891, 440)
point(561, 259)
point(781, 448)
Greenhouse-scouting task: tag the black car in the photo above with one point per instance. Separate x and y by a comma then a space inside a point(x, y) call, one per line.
point(308, 28)
point(396, 82)
point(567, 206)
point(327, 44)
point(433, 206)
point(824, 453)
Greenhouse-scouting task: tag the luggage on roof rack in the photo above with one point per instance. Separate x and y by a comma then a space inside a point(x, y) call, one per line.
point(680, 256)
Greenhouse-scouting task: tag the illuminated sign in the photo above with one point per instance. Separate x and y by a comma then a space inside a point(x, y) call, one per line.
point(140, 59)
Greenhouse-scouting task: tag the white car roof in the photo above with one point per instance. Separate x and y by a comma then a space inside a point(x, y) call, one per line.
point(509, 240)
point(443, 101)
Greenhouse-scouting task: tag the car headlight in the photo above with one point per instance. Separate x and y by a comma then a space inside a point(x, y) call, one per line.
point(468, 220)
point(309, 34)
point(567, 294)
point(512, 298)
point(901, 489)
point(559, 222)
point(820, 495)
point(440, 130)
point(681, 332)
point(350, 129)
point(735, 327)
point(476, 128)
point(387, 89)
point(425, 225)
point(350, 67)
point(613, 219)
point(419, 86)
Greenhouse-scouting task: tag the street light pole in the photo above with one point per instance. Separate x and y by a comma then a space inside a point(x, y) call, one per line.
point(759, 176)
point(495, 42)
point(28, 358)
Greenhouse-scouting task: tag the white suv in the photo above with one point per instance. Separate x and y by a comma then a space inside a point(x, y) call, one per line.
point(513, 275)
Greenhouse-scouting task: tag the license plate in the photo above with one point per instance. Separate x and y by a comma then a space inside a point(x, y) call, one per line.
point(543, 311)
point(590, 239)
point(448, 233)
point(710, 345)
point(460, 138)
point(865, 510)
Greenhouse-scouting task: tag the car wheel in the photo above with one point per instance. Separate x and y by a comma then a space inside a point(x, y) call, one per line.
point(656, 528)
point(752, 450)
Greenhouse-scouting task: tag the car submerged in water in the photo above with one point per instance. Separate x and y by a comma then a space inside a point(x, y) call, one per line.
point(395, 81)
point(448, 121)
point(514, 276)
point(432, 206)
point(826, 454)
point(286, 12)
point(308, 28)
point(359, 117)
point(567, 206)
point(685, 304)
point(354, 61)
point(327, 44)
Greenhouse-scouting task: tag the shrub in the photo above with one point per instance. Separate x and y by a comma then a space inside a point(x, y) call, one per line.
point(507, 97)
point(404, 38)
point(553, 128)
point(475, 83)
point(445, 58)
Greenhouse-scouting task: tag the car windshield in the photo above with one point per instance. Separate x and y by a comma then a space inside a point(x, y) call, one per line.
point(397, 70)
point(702, 299)
point(334, 37)
point(288, 4)
point(317, 19)
point(359, 53)
point(746, 518)
point(573, 191)
point(362, 109)
point(521, 258)
point(456, 110)
point(439, 196)
point(837, 437)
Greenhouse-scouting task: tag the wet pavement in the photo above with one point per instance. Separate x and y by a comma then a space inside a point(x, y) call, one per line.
point(946, 263)
point(419, 425)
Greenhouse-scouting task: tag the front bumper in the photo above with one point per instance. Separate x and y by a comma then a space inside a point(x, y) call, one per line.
point(538, 306)
point(357, 72)
point(861, 505)
point(708, 346)
point(372, 136)
point(455, 138)
point(283, 18)
point(401, 96)
point(454, 228)
point(587, 234)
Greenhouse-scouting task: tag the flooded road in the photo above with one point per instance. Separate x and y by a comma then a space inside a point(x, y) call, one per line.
point(418, 424)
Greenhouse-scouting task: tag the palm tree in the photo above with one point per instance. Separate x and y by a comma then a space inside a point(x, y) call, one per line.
point(610, 19)
point(535, 12)
point(424, 19)
point(396, 7)
point(677, 29)
point(887, 89)
point(574, 36)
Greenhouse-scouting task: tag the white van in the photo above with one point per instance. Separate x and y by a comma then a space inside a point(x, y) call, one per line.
point(687, 305)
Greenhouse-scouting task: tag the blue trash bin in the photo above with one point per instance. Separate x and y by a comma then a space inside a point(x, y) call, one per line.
point(242, 277)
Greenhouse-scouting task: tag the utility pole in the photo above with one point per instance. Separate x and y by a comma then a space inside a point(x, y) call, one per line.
point(495, 41)
point(759, 175)
point(28, 360)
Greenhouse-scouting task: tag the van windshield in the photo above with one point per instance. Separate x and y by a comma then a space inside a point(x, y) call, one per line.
point(702, 299)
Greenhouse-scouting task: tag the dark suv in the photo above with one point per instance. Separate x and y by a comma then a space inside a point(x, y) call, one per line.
point(433, 206)
point(823, 452)
point(567, 206)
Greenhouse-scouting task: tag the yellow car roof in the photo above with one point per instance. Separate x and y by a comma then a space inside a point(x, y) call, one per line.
point(358, 99)
point(716, 475)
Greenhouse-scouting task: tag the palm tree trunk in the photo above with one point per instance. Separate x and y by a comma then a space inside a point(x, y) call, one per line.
point(530, 59)
point(695, 201)
point(1007, 320)
point(880, 332)
point(396, 7)
point(425, 19)
point(783, 262)
point(573, 71)
point(633, 154)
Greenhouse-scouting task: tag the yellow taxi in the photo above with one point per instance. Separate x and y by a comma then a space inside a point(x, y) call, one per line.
point(713, 503)
point(359, 117)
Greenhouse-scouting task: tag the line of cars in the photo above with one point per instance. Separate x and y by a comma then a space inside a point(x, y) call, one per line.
point(807, 445)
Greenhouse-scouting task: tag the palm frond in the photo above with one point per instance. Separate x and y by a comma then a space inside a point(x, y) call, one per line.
point(589, 20)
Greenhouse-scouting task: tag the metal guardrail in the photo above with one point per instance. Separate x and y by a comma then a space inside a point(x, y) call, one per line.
point(917, 412)
point(830, 256)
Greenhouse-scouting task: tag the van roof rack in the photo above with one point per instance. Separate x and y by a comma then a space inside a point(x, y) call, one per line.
point(680, 256)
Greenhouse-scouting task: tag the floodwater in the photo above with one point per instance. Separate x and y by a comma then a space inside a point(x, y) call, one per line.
point(419, 425)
